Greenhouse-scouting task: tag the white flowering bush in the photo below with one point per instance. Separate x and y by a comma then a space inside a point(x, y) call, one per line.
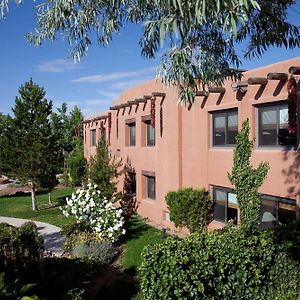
point(97, 212)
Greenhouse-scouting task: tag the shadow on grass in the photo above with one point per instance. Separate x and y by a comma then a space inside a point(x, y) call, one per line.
point(135, 228)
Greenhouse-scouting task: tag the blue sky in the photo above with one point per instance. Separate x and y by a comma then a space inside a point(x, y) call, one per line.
point(98, 78)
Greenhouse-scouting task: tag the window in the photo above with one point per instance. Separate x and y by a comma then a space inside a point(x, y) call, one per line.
point(131, 134)
point(148, 183)
point(225, 127)
point(131, 182)
point(150, 187)
point(93, 137)
point(150, 134)
point(225, 205)
point(273, 126)
point(276, 210)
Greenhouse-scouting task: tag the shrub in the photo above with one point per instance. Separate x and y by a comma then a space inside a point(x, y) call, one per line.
point(189, 207)
point(97, 213)
point(22, 243)
point(98, 252)
point(228, 264)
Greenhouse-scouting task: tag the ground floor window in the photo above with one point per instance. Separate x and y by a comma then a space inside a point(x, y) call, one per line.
point(276, 210)
point(225, 205)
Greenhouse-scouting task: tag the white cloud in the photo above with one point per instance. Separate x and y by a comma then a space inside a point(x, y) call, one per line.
point(114, 76)
point(58, 66)
point(123, 85)
point(108, 94)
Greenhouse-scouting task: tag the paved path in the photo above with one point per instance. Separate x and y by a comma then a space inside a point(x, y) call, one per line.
point(53, 239)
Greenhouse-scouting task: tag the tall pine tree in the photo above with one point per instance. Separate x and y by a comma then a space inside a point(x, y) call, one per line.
point(104, 170)
point(32, 148)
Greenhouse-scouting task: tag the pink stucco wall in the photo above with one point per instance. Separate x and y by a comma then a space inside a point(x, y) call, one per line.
point(183, 155)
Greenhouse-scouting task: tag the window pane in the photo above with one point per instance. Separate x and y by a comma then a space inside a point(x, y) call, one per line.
point(232, 127)
point(93, 137)
point(268, 126)
point(284, 137)
point(220, 199)
point(151, 187)
point(132, 135)
point(268, 213)
point(150, 135)
point(232, 214)
point(232, 198)
point(218, 130)
point(286, 213)
point(219, 211)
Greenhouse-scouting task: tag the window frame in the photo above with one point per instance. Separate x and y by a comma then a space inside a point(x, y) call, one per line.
point(226, 207)
point(225, 113)
point(93, 137)
point(148, 140)
point(267, 106)
point(147, 176)
point(129, 126)
point(279, 203)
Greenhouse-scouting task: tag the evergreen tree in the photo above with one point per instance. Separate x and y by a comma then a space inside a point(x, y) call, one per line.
point(32, 148)
point(104, 170)
point(77, 165)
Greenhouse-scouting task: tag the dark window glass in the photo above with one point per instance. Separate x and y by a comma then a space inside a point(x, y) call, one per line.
point(275, 210)
point(150, 134)
point(225, 205)
point(131, 134)
point(150, 187)
point(225, 127)
point(93, 137)
point(132, 182)
point(273, 126)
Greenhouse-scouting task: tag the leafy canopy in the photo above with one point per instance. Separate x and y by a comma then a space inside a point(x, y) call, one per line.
point(200, 35)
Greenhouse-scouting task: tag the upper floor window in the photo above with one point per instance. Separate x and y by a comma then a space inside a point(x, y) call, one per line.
point(130, 132)
point(150, 134)
point(93, 137)
point(225, 127)
point(225, 205)
point(273, 126)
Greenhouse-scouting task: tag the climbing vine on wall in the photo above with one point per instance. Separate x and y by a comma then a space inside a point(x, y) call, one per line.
point(152, 112)
point(292, 104)
point(247, 179)
point(109, 126)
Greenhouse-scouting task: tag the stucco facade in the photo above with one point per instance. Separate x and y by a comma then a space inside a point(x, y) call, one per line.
point(193, 144)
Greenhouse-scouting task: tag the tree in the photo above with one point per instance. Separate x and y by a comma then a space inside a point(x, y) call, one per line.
point(31, 147)
point(201, 35)
point(104, 170)
point(247, 179)
point(64, 126)
point(77, 165)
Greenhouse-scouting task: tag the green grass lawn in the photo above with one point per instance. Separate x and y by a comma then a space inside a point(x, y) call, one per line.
point(139, 234)
point(19, 206)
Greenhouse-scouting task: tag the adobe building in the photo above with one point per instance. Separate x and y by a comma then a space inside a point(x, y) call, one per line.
point(170, 146)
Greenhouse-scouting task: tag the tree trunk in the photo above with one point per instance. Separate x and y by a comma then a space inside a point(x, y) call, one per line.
point(33, 197)
point(50, 199)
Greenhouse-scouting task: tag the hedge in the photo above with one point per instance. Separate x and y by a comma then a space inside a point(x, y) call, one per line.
point(226, 264)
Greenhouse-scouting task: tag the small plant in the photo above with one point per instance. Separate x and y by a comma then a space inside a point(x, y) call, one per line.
point(189, 207)
point(96, 212)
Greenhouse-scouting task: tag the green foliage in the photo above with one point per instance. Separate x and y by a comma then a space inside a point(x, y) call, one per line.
point(64, 128)
point(77, 165)
point(247, 179)
point(104, 170)
point(31, 150)
point(227, 264)
point(202, 34)
point(189, 207)
point(20, 244)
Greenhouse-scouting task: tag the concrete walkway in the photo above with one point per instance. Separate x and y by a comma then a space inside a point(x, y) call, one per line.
point(53, 239)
